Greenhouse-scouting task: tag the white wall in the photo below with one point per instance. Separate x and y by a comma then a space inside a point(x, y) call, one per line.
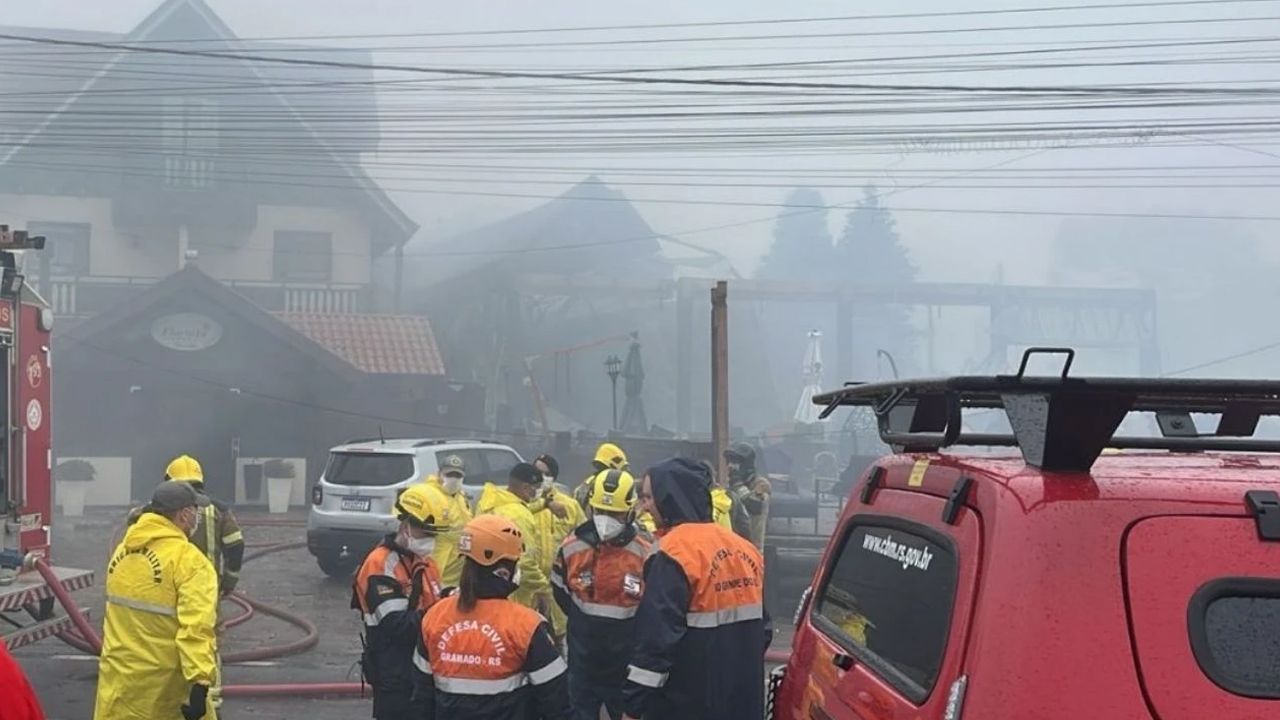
point(155, 253)
point(112, 484)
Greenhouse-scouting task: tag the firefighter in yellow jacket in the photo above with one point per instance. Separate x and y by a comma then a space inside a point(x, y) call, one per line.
point(449, 482)
point(557, 516)
point(219, 538)
point(511, 502)
point(158, 648)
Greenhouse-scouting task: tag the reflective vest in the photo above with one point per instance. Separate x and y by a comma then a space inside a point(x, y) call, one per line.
point(392, 584)
point(481, 652)
point(725, 574)
point(605, 582)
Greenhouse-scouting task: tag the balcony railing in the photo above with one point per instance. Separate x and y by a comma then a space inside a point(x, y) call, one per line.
point(83, 296)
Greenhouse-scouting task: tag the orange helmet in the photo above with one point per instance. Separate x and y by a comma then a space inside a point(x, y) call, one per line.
point(490, 538)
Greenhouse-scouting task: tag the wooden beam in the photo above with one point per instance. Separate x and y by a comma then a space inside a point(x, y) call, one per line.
point(720, 376)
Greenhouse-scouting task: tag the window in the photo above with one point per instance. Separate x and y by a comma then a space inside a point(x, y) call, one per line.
point(1235, 634)
point(369, 469)
point(190, 140)
point(499, 463)
point(302, 256)
point(68, 245)
point(888, 601)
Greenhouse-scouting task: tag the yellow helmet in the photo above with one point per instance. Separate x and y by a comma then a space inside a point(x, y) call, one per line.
point(184, 469)
point(613, 491)
point(425, 506)
point(611, 456)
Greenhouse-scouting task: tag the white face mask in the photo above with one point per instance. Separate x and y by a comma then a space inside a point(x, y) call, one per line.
point(547, 481)
point(195, 524)
point(606, 527)
point(422, 547)
point(451, 483)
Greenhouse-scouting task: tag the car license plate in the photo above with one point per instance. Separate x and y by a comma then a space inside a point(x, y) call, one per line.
point(356, 504)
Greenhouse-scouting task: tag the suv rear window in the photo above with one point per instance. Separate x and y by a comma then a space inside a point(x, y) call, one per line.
point(888, 601)
point(483, 464)
point(369, 469)
point(1235, 635)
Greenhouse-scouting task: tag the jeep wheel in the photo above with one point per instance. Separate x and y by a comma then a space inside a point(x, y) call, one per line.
point(336, 566)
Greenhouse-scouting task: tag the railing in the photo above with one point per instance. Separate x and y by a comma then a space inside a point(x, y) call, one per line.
point(87, 295)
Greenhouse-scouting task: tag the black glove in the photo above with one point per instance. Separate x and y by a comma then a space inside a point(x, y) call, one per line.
point(196, 702)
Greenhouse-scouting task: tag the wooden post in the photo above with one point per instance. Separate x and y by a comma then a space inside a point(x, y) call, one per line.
point(720, 376)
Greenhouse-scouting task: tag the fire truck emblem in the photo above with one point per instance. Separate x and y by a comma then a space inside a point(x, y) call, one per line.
point(35, 415)
point(35, 371)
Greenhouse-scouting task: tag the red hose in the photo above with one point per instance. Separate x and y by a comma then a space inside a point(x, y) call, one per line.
point(243, 617)
point(293, 689)
point(86, 630)
point(777, 656)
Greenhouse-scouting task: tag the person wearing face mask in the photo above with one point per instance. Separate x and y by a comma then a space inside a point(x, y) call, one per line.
point(557, 515)
point(396, 584)
point(481, 656)
point(449, 482)
point(512, 503)
point(598, 580)
point(158, 644)
point(608, 457)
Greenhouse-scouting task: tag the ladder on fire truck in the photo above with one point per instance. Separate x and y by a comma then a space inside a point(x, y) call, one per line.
point(28, 585)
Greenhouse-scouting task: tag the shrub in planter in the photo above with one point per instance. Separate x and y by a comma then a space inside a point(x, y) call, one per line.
point(75, 471)
point(282, 469)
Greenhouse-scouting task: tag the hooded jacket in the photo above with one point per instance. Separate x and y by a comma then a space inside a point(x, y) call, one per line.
point(158, 637)
point(535, 589)
point(699, 652)
point(551, 532)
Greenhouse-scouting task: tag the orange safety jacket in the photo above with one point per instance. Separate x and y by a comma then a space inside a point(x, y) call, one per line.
point(701, 629)
point(496, 661)
point(392, 590)
point(599, 584)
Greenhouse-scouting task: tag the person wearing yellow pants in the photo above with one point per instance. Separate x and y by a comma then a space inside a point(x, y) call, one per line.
point(558, 515)
point(449, 481)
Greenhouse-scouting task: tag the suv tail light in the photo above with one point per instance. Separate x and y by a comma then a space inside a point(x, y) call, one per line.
point(317, 494)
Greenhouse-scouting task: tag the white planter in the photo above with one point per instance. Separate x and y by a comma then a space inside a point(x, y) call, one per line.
point(71, 497)
point(278, 490)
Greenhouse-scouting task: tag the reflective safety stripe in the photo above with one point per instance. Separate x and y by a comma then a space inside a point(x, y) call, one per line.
point(210, 526)
point(469, 686)
point(142, 605)
point(421, 662)
point(386, 608)
point(555, 580)
point(614, 612)
point(573, 548)
point(231, 573)
point(647, 678)
point(728, 616)
point(637, 548)
point(390, 563)
point(548, 672)
point(235, 537)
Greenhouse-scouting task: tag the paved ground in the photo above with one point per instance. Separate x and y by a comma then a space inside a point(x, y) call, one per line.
point(65, 679)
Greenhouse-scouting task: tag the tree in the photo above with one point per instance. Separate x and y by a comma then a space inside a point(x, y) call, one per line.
point(869, 253)
point(801, 240)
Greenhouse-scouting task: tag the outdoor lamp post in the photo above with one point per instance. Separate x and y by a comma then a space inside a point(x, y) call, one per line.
point(613, 366)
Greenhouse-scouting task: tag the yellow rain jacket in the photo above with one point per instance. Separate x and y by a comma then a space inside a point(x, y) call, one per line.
point(721, 507)
point(446, 553)
point(551, 532)
point(158, 640)
point(535, 587)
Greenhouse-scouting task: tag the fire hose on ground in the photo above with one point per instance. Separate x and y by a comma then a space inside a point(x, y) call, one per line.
point(85, 639)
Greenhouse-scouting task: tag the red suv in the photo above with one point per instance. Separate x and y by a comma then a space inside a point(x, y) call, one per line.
point(1093, 576)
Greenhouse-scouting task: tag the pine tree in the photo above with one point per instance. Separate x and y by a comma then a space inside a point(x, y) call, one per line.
point(869, 253)
point(801, 240)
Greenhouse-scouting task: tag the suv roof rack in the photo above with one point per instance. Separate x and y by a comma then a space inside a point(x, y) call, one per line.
point(1063, 423)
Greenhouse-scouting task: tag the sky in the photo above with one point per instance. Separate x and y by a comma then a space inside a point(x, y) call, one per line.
point(966, 211)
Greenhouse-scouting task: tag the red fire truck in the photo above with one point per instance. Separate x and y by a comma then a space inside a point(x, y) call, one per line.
point(26, 488)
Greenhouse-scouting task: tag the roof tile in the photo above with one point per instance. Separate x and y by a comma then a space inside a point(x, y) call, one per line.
point(376, 344)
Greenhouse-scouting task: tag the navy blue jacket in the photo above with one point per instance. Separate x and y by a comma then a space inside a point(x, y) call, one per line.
point(682, 673)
